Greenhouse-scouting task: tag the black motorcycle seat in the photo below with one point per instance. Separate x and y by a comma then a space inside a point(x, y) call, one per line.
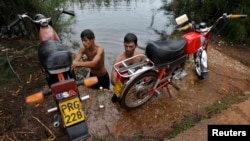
point(162, 52)
point(54, 55)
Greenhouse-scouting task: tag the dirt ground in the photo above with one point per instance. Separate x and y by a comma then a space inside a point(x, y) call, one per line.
point(229, 79)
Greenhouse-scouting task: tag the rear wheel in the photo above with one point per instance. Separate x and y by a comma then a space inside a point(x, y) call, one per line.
point(136, 92)
point(201, 64)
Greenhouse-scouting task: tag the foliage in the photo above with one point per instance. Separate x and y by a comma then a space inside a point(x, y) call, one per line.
point(211, 110)
point(209, 10)
point(31, 7)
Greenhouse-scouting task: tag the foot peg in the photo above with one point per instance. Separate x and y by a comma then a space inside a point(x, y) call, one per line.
point(180, 75)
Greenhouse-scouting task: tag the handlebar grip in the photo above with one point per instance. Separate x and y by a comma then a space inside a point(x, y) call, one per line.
point(69, 12)
point(14, 22)
point(90, 81)
point(184, 27)
point(237, 16)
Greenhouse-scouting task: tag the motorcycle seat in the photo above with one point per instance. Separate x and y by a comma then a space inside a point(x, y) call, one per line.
point(162, 52)
point(54, 56)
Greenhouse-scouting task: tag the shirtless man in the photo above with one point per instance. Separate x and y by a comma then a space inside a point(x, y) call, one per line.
point(130, 44)
point(95, 59)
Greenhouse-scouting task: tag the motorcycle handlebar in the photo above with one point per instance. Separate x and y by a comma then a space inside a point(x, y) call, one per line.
point(224, 16)
point(187, 26)
point(46, 20)
point(236, 16)
point(14, 22)
point(69, 12)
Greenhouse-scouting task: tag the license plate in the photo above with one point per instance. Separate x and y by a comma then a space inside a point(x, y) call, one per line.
point(71, 111)
point(117, 88)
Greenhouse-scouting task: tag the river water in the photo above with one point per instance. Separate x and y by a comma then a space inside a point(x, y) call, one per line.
point(111, 20)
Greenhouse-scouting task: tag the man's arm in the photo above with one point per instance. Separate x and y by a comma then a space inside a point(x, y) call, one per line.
point(114, 74)
point(78, 57)
point(94, 62)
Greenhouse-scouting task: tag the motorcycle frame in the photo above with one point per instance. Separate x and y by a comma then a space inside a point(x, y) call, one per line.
point(164, 77)
point(76, 130)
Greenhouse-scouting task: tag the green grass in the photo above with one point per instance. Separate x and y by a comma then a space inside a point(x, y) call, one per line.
point(211, 110)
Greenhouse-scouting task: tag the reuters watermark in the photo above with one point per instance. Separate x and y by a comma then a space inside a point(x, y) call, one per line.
point(237, 132)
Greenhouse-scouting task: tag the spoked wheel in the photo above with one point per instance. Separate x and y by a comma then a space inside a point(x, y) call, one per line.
point(135, 93)
point(201, 65)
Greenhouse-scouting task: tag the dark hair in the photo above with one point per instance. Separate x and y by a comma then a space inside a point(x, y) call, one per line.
point(87, 33)
point(130, 37)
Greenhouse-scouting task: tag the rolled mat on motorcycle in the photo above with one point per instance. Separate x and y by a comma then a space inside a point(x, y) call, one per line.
point(56, 60)
point(165, 61)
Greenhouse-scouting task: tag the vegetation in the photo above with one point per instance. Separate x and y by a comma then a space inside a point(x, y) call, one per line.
point(198, 10)
point(31, 7)
point(210, 10)
point(211, 110)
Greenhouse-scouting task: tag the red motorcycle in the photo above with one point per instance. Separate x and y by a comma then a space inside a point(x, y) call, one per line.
point(56, 60)
point(165, 61)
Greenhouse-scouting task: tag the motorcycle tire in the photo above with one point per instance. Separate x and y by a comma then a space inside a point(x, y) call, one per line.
point(135, 93)
point(201, 64)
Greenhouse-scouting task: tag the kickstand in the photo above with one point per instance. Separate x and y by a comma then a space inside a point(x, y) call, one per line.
point(169, 92)
point(175, 86)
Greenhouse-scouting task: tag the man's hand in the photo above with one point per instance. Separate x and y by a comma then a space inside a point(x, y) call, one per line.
point(74, 64)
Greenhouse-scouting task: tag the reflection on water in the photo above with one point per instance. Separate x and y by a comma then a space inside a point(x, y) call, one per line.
point(111, 20)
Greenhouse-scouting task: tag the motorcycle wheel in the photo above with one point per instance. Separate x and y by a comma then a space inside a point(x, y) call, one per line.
point(135, 93)
point(201, 64)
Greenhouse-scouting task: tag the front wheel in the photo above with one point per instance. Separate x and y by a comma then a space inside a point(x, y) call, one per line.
point(136, 93)
point(201, 64)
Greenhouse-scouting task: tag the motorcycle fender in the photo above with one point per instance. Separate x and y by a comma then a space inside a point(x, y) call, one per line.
point(78, 131)
point(194, 42)
point(133, 77)
point(47, 33)
point(204, 59)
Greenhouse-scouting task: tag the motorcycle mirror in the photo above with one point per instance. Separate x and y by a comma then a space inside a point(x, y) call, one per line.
point(34, 98)
point(182, 19)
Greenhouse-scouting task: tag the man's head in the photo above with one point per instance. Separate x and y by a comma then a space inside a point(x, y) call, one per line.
point(130, 43)
point(87, 37)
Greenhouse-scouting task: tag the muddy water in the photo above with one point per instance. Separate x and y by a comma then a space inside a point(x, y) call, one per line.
point(111, 20)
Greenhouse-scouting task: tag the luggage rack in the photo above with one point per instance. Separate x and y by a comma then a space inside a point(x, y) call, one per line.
point(124, 69)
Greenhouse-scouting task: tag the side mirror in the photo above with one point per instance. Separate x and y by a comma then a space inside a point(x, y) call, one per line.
point(182, 19)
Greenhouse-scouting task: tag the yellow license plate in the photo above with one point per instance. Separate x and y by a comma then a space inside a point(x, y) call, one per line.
point(117, 88)
point(71, 111)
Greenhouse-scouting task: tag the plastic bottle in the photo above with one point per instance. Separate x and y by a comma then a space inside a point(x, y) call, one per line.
point(101, 98)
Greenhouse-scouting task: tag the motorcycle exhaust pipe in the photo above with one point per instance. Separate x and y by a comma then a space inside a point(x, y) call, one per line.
point(56, 120)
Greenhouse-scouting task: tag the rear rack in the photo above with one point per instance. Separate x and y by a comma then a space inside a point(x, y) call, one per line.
point(124, 69)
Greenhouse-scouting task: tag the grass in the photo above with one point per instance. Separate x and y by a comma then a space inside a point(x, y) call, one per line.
point(18, 63)
point(211, 110)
